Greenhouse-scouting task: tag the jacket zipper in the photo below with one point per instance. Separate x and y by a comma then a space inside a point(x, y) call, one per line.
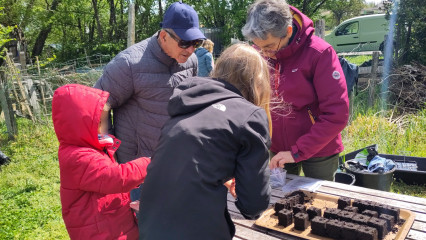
point(311, 116)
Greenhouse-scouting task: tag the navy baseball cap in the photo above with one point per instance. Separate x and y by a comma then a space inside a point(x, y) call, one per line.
point(183, 19)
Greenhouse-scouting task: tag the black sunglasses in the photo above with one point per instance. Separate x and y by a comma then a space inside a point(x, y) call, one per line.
point(186, 44)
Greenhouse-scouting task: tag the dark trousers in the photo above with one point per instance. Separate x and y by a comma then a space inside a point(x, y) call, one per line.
point(316, 167)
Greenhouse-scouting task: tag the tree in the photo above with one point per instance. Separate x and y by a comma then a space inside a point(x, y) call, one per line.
point(344, 9)
point(45, 30)
point(309, 7)
point(227, 15)
point(96, 17)
point(4, 38)
point(412, 31)
point(409, 40)
point(112, 20)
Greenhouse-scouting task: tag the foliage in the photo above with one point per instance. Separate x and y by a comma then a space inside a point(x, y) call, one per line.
point(308, 7)
point(85, 27)
point(344, 9)
point(227, 15)
point(4, 34)
point(48, 60)
point(410, 31)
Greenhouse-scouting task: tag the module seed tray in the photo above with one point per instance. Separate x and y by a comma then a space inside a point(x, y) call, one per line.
point(270, 221)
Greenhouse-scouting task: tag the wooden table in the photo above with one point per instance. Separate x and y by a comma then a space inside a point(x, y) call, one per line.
point(245, 229)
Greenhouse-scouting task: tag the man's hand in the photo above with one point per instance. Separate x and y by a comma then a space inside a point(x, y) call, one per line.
point(231, 187)
point(280, 159)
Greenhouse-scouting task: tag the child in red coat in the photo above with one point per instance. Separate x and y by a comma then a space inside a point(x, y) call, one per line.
point(94, 187)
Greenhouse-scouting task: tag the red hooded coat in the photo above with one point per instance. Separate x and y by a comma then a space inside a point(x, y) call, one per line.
point(94, 187)
point(311, 81)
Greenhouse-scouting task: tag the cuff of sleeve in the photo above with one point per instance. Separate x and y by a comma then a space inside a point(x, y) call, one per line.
point(296, 154)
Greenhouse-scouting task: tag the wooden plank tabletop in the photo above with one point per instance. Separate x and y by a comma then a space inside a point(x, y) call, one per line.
point(245, 229)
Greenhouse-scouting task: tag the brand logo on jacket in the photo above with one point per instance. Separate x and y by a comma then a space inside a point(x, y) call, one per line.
point(294, 70)
point(219, 106)
point(336, 75)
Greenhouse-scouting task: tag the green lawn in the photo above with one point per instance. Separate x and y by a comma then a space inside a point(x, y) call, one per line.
point(30, 206)
point(29, 186)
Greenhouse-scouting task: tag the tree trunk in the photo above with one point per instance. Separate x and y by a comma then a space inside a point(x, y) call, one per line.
point(160, 7)
point(305, 6)
point(317, 7)
point(407, 43)
point(44, 33)
point(80, 30)
point(92, 31)
point(41, 39)
point(112, 20)
point(98, 21)
point(122, 33)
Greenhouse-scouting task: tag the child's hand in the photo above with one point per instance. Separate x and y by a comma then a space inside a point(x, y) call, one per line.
point(231, 187)
point(135, 206)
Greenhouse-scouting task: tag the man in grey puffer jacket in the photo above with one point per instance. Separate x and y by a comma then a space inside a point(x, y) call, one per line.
point(141, 79)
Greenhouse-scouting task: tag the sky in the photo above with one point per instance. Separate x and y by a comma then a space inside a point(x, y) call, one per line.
point(375, 1)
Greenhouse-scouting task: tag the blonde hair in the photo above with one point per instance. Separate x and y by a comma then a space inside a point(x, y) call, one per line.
point(244, 67)
point(208, 44)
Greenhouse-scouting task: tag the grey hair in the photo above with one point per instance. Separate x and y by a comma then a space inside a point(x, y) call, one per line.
point(267, 16)
point(170, 30)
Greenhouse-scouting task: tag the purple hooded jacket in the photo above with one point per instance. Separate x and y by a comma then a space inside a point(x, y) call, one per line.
point(312, 84)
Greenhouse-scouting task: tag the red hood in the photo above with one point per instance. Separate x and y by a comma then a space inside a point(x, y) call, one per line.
point(304, 30)
point(76, 112)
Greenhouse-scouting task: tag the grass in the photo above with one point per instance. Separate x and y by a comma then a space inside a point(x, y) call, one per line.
point(30, 206)
point(402, 136)
point(393, 133)
point(360, 59)
point(29, 186)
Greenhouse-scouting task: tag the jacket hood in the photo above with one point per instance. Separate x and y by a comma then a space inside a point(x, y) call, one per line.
point(198, 93)
point(76, 112)
point(201, 51)
point(305, 29)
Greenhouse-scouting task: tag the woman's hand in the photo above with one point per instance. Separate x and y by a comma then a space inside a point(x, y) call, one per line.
point(280, 159)
point(231, 187)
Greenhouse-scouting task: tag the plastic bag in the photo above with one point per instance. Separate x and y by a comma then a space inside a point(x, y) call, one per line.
point(135, 206)
point(381, 165)
point(277, 177)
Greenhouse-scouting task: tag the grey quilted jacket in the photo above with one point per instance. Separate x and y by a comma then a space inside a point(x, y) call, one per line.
point(140, 81)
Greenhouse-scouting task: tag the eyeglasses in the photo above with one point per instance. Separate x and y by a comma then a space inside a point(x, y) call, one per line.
point(271, 52)
point(186, 44)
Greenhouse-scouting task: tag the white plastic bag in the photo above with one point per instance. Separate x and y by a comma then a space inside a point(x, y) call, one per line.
point(135, 206)
point(277, 177)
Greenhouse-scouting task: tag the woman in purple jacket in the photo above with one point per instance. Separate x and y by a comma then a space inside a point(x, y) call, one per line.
point(306, 75)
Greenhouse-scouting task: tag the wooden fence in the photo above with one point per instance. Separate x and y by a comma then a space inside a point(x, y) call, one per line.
point(20, 94)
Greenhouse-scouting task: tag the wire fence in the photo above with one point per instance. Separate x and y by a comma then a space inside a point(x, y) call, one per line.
point(29, 89)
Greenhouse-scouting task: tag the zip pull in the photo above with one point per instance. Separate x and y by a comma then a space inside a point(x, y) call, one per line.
point(311, 116)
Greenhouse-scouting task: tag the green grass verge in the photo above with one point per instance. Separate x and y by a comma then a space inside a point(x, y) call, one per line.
point(30, 206)
point(358, 60)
